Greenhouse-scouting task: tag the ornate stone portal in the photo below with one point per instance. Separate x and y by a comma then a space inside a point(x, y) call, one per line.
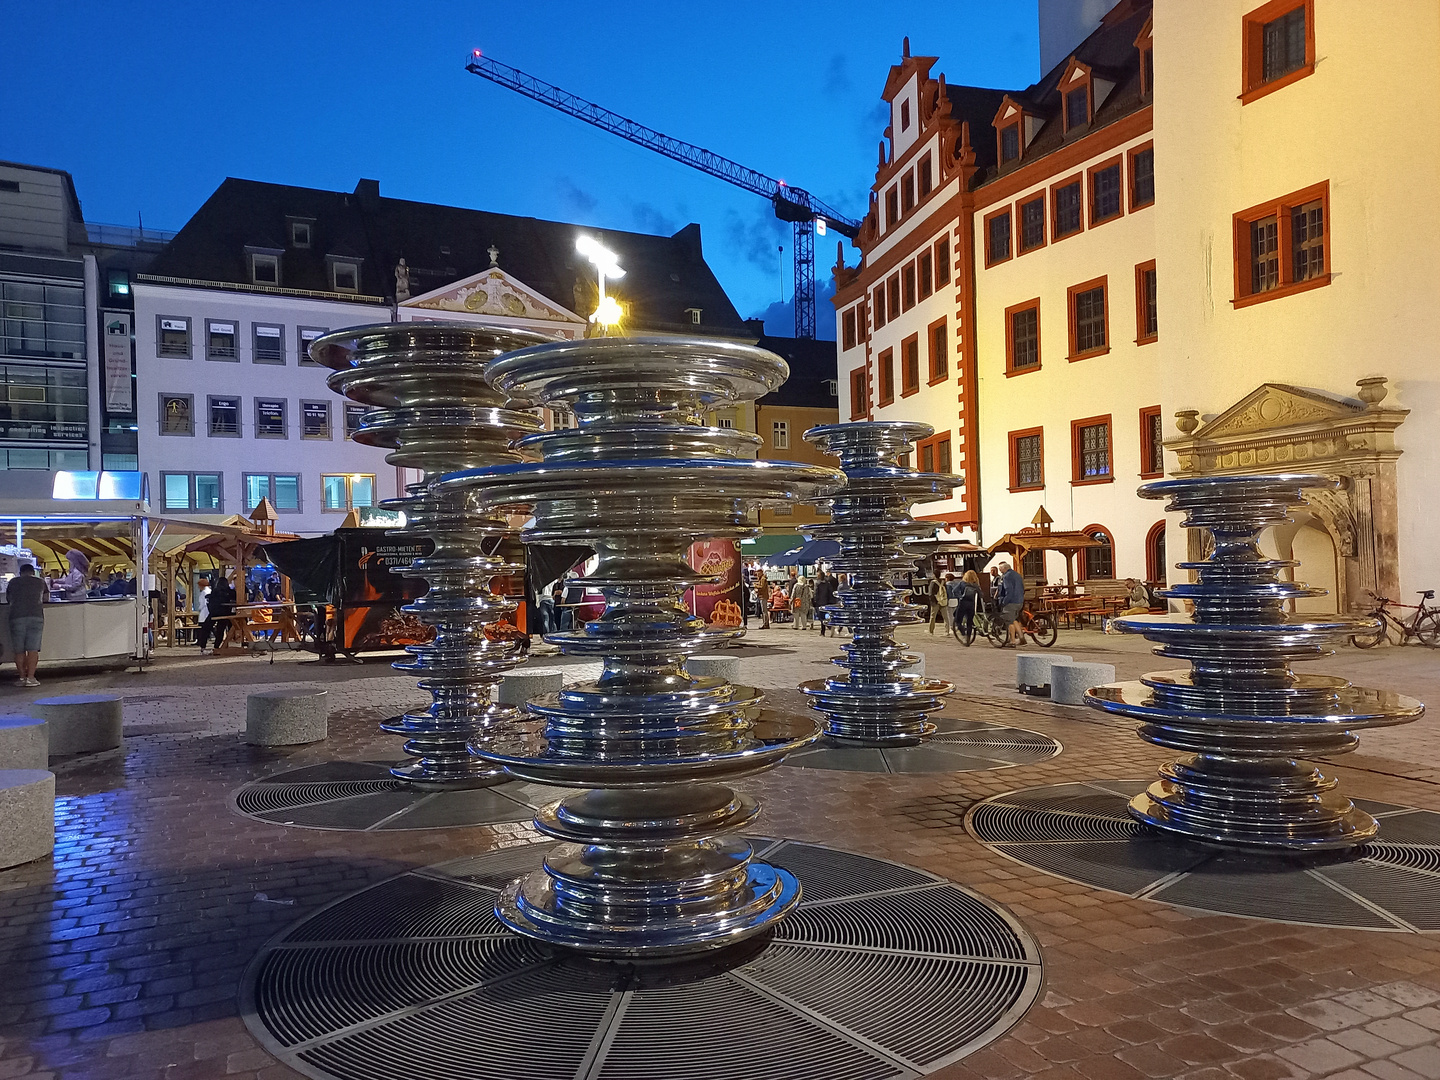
point(1278, 427)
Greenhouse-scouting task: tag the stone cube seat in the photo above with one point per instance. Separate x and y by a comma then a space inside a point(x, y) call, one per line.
point(518, 687)
point(715, 667)
point(287, 716)
point(24, 742)
point(1069, 681)
point(27, 815)
point(82, 723)
point(1032, 671)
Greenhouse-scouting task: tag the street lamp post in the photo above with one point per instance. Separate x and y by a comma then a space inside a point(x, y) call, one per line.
point(607, 310)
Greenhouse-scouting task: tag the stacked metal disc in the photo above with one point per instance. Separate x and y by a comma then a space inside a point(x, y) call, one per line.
point(875, 703)
point(433, 409)
point(1246, 720)
point(651, 863)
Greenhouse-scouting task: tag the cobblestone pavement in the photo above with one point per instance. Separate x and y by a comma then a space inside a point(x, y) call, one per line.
point(122, 955)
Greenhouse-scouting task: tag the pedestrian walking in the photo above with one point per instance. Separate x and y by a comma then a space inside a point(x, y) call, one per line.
point(824, 596)
point(935, 598)
point(1010, 600)
point(762, 593)
point(203, 614)
point(26, 595)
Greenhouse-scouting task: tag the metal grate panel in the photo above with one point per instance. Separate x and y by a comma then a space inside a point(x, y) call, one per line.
point(362, 796)
point(884, 972)
point(1083, 833)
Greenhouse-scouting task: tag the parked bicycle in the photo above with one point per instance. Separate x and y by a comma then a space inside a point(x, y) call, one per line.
point(1423, 625)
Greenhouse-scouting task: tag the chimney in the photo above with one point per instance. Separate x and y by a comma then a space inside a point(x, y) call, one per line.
point(367, 191)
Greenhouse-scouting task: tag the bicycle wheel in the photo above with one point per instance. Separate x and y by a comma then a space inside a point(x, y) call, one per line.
point(1429, 630)
point(997, 631)
point(1042, 631)
point(1370, 640)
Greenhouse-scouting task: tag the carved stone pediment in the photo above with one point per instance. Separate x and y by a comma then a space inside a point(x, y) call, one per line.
point(1277, 405)
point(495, 293)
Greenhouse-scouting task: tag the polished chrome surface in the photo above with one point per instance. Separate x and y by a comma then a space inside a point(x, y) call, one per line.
point(1247, 721)
point(651, 864)
point(874, 703)
point(432, 408)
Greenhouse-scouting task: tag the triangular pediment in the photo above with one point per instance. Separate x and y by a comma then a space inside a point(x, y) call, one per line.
point(494, 292)
point(1272, 406)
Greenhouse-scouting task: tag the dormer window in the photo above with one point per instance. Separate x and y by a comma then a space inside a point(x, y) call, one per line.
point(1077, 107)
point(344, 276)
point(264, 268)
point(1009, 143)
point(1144, 45)
point(300, 234)
point(905, 115)
point(1278, 46)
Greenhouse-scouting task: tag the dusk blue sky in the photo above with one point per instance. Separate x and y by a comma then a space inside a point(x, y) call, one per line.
point(150, 105)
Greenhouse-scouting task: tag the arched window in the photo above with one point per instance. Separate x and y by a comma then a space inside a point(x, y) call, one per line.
point(1032, 566)
point(1156, 568)
point(1098, 563)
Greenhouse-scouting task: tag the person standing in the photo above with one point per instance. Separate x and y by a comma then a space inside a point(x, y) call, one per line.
point(762, 593)
point(26, 595)
point(824, 596)
point(802, 598)
point(1011, 600)
point(935, 597)
point(966, 593)
point(203, 615)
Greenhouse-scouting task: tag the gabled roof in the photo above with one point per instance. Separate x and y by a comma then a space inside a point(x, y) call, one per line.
point(664, 275)
point(978, 107)
point(813, 365)
point(1108, 54)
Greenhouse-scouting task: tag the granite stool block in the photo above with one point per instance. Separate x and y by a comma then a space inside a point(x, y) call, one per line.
point(917, 668)
point(1032, 671)
point(24, 742)
point(27, 815)
point(1069, 681)
point(287, 717)
point(715, 667)
point(82, 723)
point(518, 687)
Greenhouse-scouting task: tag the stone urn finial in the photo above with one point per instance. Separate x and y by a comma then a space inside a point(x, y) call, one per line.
point(1187, 420)
point(1372, 390)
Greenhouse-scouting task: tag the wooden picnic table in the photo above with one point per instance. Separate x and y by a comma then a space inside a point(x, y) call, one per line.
point(275, 617)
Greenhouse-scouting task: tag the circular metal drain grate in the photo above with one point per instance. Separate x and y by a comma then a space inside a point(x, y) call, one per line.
point(362, 796)
point(1083, 833)
point(956, 746)
point(883, 971)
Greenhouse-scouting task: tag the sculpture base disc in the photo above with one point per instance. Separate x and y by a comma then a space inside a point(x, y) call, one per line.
point(856, 735)
point(1086, 833)
point(957, 746)
point(883, 971)
point(529, 907)
point(418, 776)
point(1327, 821)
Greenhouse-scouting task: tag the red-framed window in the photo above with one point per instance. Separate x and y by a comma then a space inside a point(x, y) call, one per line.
point(1147, 314)
point(1092, 459)
point(1098, 563)
point(1107, 191)
point(1156, 564)
point(907, 286)
point(1022, 337)
point(1283, 247)
point(886, 362)
point(1027, 459)
point(1030, 223)
point(942, 261)
point(848, 339)
point(1089, 318)
point(1152, 443)
point(925, 171)
point(997, 236)
point(880, 307)
point(1076, 100)
point(892, 289)
point(909, 365)
point(1067, 207)
point(859, 395)
point(933, 454)
point(1277, 47)
point(925, 267)
point(1142, 175)
point(938, 336)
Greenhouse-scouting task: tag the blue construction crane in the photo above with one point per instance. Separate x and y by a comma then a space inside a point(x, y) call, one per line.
point(796, 205)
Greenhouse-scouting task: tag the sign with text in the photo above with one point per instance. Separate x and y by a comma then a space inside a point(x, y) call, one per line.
point(119, 397)
point(717, 602)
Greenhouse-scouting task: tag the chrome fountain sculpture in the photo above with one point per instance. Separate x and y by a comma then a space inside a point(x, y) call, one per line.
point(432, 408)
point(1246, 720)
point(650, 864)
point(874, 703)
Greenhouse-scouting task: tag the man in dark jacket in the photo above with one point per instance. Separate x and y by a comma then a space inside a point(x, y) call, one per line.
point(824, 594)
point(1010, 601)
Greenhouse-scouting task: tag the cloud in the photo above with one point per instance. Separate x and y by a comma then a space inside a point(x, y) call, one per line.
point(649, 219)
point(780, 318)
point(756, 238)
point(575, 197)
point(837, 77)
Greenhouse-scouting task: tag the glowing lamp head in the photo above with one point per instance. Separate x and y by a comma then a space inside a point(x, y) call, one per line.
point(603, 258)
point(608, 313)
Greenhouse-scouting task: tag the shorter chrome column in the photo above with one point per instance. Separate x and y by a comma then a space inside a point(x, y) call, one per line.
point(875, 703)
point(432, 408)
point(1244, 718)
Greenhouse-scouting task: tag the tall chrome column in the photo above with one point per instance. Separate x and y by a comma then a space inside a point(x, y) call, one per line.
point(1244, 717)
point(651, 865)
point(875, 703)
point(434, 411)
